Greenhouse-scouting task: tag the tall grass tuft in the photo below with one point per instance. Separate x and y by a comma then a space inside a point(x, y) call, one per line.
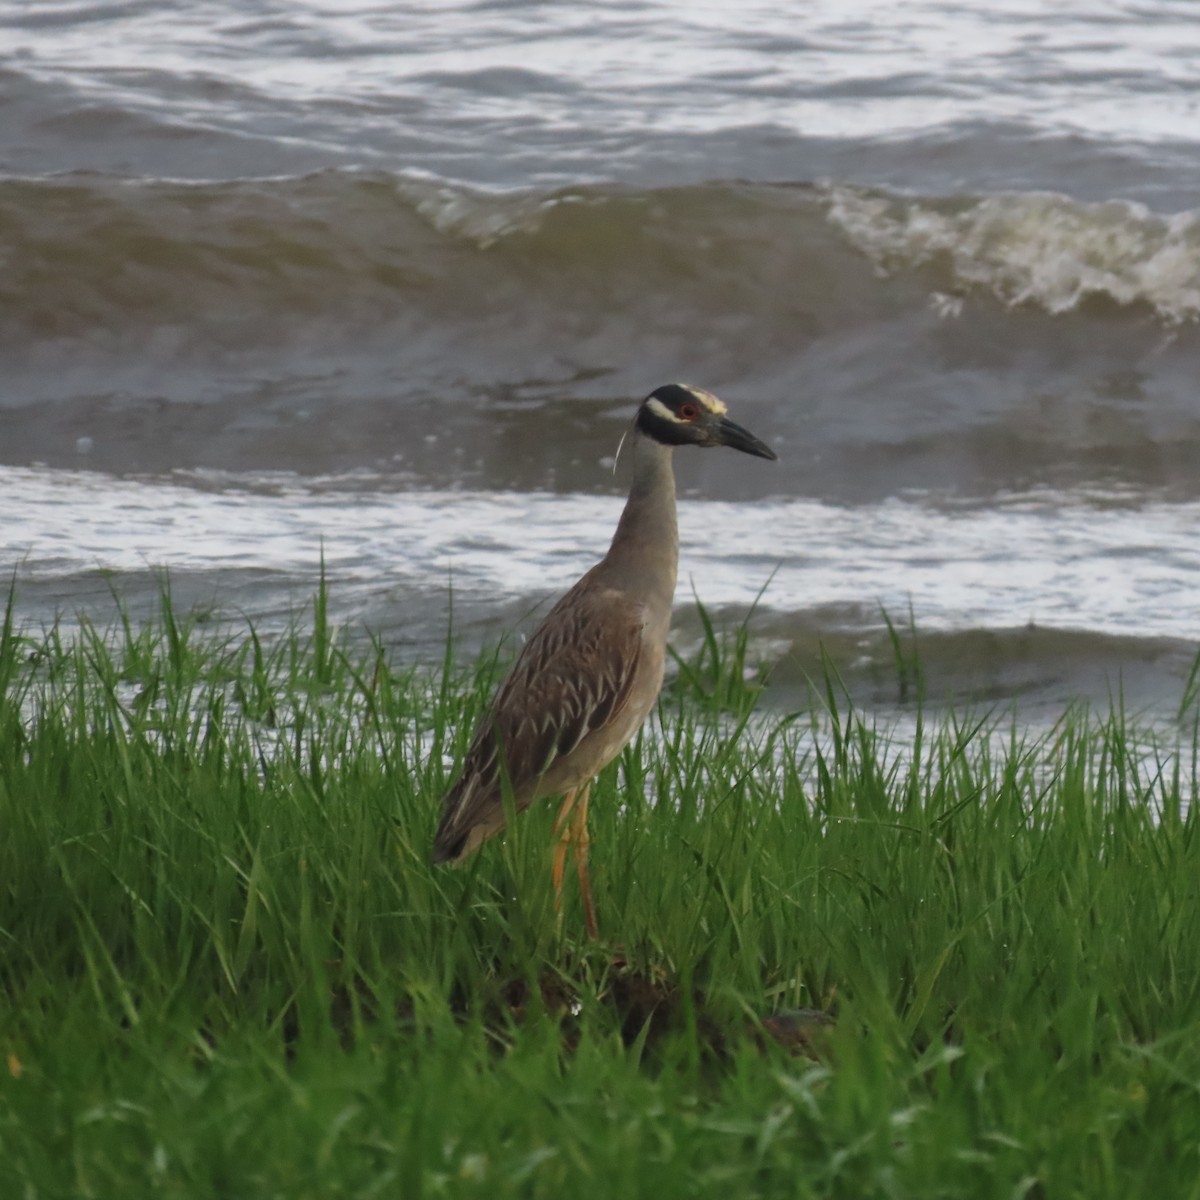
point(227, 966)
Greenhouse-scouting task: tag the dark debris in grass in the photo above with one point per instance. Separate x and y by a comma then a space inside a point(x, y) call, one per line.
point(647, 1007)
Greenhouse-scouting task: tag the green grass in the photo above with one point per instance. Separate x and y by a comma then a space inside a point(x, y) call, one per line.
point(227, 968)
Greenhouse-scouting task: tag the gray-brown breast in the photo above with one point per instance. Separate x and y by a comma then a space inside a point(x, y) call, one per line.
point(580, 688)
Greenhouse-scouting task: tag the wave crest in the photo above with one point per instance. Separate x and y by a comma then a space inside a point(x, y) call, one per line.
point(1033, 248)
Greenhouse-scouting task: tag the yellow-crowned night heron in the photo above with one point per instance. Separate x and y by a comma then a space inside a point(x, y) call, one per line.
point(592, 670)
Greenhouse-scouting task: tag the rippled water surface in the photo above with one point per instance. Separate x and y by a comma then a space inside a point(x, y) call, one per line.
point(386, 282)
point(519, 93)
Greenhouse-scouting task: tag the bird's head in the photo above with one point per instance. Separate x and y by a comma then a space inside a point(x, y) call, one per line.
point(678, 415)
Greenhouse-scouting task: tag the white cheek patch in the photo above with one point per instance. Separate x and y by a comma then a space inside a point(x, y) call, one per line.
point(659, 409)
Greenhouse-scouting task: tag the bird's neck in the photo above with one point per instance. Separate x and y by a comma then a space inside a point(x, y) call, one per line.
point(646, 544)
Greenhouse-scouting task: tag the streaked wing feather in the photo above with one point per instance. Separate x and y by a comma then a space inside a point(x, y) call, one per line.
point(574, 675)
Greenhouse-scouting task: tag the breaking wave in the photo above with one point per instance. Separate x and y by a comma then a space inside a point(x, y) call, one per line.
point(91, 257)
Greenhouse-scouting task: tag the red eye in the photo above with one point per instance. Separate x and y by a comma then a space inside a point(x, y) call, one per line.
point(689, 412)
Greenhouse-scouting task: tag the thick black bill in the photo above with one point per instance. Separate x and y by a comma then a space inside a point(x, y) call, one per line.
point(729, 433)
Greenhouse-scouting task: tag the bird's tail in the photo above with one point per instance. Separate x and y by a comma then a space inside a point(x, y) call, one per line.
point(450, 842)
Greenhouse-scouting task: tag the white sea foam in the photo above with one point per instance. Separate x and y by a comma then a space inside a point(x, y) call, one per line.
point(1062, 561)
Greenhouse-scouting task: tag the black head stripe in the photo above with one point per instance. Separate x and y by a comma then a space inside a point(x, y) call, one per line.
point(670, 433)
point(653, 423)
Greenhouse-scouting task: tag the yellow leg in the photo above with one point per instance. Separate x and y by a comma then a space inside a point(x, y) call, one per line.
point(570, 826)
point(582, 842)
point(563, 828)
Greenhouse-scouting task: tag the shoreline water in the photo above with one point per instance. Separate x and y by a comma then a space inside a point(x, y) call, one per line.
point(393, 284)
